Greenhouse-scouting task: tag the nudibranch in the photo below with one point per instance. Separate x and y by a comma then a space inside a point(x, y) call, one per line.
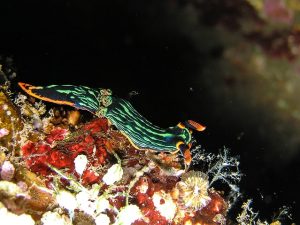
point(141, 133)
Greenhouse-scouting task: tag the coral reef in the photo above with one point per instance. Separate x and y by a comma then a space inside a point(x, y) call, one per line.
point(57, 169)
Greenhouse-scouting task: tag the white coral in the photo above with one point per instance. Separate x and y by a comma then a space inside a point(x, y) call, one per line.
point(164, 203)
point(10, 218)
point(101, 204)
point(84, 203)
point(102, 219)
point(50, 218)
point(67, 200)
point(128, 215)
point(80, 163)
point(113, 174)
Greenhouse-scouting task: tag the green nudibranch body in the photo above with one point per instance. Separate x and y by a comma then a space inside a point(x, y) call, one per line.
point(140, 132)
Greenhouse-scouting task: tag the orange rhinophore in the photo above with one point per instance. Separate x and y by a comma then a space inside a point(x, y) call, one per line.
point(194, 125)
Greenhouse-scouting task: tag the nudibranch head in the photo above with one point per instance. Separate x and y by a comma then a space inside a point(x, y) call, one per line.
point(192, 191)
point(184, 138)
point(182, 134)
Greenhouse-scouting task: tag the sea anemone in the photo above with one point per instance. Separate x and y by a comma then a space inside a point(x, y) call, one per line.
point(192, 192)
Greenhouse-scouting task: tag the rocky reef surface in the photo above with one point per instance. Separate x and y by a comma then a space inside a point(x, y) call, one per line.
point(59, 166)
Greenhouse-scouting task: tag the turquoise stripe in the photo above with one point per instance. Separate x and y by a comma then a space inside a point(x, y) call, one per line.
point(142, 132)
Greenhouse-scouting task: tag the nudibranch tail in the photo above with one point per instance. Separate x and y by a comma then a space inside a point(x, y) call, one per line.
point(37, 92)
point(80, 97)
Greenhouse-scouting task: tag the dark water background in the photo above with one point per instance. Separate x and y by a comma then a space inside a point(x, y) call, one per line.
point(133, 46)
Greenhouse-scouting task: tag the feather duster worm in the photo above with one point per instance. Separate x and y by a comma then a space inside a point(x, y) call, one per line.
point(192, 191)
